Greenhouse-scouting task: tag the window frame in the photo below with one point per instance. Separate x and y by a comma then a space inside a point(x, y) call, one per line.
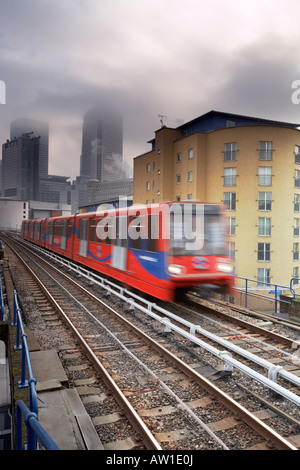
point(265, 154)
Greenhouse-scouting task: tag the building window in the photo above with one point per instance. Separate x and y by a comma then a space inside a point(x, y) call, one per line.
point(297, 154)
point(295, 251)
point(231, 226)
point(264, 226)
point(191, 153)
point(265, 150)
point(297, 178)
point(230, 201)
point(190, 197)
point(148, 186)
point(230, 152)
point(148, 168)
point(229, 176)
point(190, 176)
point(264, 201)
point(296, 227)
point(231, 250)
point(230, 123)
point(296, 203)
point(178, 179)
point(263, 276)
point(265, 176)
point(178, 157)
point(296, 272)
point(264, 252)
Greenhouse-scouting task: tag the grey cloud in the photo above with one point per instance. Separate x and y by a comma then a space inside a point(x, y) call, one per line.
point(59, 58)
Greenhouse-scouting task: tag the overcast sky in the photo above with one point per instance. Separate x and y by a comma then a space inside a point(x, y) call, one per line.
point(148, 57)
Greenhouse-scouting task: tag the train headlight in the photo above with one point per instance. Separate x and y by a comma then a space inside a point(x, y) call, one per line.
point(175, 269)
point(225, 268)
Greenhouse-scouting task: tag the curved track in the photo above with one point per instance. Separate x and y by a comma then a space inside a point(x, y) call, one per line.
point(169, 403)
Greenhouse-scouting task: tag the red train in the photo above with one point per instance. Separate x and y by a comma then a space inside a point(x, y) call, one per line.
point(156, 249)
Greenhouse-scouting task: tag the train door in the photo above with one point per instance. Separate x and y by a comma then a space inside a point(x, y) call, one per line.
point(83, 236)
point(119, 249)
point(64, 234)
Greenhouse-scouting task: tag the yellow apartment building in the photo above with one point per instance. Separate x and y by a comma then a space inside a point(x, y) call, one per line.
point(250, 165)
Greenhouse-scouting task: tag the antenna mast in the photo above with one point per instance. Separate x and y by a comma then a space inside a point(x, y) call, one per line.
point(161, 118)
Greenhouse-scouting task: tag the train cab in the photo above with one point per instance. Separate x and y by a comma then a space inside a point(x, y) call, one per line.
point(197, 251)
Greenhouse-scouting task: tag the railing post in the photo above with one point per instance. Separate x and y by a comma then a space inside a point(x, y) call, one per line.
point(34, 430)
point(18, 346)
point(1, 301)
point(246, 297)
point(15, 310)
point(23, 382)
point(291, 286)
point(276, 298)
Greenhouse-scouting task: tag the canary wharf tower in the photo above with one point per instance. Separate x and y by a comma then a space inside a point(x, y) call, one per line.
point(102, 145)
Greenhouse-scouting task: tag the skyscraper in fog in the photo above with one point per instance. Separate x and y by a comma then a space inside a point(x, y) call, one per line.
point(35, 129)
point(102, 145)
point(20, 168)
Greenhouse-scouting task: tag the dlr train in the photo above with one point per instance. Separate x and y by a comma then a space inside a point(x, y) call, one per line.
point(158, 249)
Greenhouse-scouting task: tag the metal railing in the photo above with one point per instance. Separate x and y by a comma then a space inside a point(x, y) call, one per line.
point(291, 287)
point(274, 291)
point(34, 429)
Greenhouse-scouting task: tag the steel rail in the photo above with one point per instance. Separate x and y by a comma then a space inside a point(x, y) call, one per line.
point(138, 424)
point(231, 404)
point(248, 417)
point(273, 371)
point(258, 329)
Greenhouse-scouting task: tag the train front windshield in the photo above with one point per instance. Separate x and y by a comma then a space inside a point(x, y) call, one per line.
point(197, 230)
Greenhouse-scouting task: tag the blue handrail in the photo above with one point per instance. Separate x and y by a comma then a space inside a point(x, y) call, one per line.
point(1, 301)
point(31, 382)
point(276, 289)
point(291, 286)
point(34, 430)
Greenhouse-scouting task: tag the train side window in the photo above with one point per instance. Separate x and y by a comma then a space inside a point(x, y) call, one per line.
point(69, 228)
point(151, 244)
point(121, 231)
point(38, 230)
point(42, 229)
point(64, 228)
point(135, 227)
point(56, 228)
point(93, 227)
point(109, 230)
point(50, 232)
point(83, 229)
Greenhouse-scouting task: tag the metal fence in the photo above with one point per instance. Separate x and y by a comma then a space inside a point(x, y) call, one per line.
point(255, 294)
point(35, 431)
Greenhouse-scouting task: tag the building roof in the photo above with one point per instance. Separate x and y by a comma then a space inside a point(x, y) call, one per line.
point(217, 120)
point(214, 120)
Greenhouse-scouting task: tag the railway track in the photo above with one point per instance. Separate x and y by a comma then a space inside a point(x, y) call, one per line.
point(168, 403)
